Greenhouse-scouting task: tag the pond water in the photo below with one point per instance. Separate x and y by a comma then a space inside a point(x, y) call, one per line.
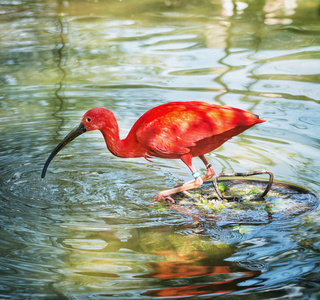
point(89, 229)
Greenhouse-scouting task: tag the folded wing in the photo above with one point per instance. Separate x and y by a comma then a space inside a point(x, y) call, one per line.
point(172, 129)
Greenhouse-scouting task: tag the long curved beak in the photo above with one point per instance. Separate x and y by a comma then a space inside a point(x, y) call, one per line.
point(71, 136)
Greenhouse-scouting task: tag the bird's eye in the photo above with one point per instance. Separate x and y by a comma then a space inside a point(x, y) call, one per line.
point(88, 120)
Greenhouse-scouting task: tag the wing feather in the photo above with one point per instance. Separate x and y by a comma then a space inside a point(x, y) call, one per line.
point(174, 128)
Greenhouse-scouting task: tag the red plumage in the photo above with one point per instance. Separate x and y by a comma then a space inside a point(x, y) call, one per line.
point(172, 130)
point(178, 128)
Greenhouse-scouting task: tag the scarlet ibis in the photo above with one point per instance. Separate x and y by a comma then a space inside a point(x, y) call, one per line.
point(173, 130)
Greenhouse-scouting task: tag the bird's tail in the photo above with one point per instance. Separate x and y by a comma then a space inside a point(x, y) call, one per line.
point(259, 120)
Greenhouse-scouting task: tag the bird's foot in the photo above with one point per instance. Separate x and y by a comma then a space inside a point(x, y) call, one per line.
point(209, 174)
point(187, 194)
point(197, 182)
point(184, 187)
point(162, 196)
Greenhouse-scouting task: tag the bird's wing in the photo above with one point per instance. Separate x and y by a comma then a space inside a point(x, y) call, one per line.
point(174, 130)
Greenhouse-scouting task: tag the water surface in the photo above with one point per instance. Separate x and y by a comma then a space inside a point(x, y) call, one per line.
point(88, 230)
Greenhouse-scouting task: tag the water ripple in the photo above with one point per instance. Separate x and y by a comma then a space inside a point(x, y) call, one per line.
point(88, 230)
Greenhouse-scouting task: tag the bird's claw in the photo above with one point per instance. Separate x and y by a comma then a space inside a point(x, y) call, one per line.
point(170, 200)
point(161, 197)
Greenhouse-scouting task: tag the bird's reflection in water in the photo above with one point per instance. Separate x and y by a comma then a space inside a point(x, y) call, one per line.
point(185, 266)
point(203, 277)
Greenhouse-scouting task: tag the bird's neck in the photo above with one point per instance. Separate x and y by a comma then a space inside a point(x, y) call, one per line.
point(127, 147)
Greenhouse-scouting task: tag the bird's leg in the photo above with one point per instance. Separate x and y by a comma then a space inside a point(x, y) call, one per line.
point(208, 175)
point(198, 181)
point(186, 186)
point(210, 171)
point(193, 184)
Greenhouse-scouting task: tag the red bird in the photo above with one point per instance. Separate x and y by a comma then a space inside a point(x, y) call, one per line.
point(173, 130)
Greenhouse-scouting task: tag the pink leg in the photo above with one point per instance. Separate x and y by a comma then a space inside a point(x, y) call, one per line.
point(193, 184)
point(207, 176)
point(210, 171)
point(186, 186)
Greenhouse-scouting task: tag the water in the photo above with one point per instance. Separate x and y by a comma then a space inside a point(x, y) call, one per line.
point(88, 230)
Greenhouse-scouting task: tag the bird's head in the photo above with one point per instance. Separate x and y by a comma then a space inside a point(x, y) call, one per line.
point(93, 119)
point(96, 118)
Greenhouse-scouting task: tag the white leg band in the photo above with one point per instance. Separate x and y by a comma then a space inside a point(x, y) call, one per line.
point(196, 174)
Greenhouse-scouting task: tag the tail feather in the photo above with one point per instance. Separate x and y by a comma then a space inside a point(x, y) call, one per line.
point(259, 120)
